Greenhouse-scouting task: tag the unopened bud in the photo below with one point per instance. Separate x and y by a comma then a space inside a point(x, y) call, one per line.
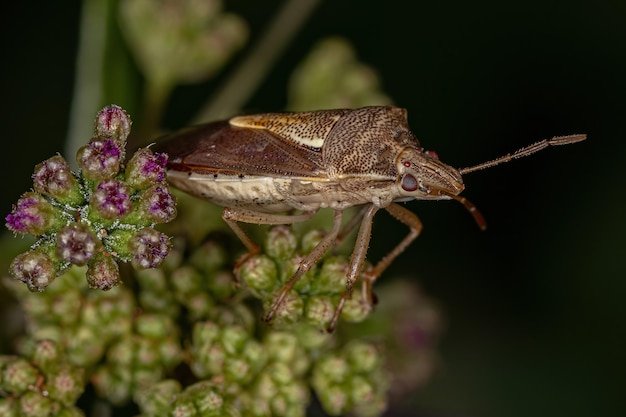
point(113, 122)
point(76, 244)
point(53, 178)
point(33, 214)
point(34, 268)
point(145, 168)
point(100, 159)
point(149, 248)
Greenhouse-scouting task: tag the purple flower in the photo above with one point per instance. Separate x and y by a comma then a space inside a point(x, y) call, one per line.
point(113, 122)
point(54, 178)
point(149, 248)
point(157, 204)
point(76, 244)
point(146, 168)
point(100, 158)
point(32, 214)
point(111, 199)
point(34, 268)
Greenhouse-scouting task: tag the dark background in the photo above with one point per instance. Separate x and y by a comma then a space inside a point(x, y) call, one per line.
point(535, 305)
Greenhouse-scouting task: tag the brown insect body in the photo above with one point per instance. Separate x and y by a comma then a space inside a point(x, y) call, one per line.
point(260, 165)
point(336, 158)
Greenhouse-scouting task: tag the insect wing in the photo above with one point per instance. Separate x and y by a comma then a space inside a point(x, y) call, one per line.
point(308, 129)
point(221, 148)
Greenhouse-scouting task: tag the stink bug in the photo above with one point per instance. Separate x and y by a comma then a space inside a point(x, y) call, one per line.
point(262, 168)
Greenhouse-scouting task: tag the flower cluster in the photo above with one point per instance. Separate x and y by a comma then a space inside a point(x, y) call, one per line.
point(44, 384)
point(97, 216)
point(351, 379)
point(187, 341)
point(315, 296)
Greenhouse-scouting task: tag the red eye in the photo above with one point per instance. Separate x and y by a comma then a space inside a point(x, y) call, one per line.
point(406, 163)
point(409, 183)
point(432, 154)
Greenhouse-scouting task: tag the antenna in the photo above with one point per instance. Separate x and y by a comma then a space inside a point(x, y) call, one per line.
point(528, 150)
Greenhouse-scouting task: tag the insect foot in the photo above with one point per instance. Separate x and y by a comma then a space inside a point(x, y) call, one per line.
point(316, 296)
point(259, 166)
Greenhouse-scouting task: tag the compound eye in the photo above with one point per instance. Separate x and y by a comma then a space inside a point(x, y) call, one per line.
point(409, 183)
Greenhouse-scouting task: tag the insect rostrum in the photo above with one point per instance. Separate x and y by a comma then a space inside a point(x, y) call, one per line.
point(261, 166)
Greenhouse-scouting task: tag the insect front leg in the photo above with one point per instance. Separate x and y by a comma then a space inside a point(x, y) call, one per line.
point(307, 262)
point(356, 260)
point(400, 213)
point(414, 224)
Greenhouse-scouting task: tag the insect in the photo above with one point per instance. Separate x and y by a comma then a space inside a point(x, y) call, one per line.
point(280, 168)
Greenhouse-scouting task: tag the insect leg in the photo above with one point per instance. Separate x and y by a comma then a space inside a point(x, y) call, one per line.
point(307, 262)
point(413, 222)
point(356, 260)
point(401, 214)
point(233, 215)
point(349, 227)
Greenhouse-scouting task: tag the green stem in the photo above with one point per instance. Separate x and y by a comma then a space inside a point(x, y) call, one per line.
point(88, 94)
point(155, 99)
point(247, 77)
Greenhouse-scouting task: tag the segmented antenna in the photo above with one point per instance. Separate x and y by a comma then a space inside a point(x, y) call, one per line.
point(528, 150)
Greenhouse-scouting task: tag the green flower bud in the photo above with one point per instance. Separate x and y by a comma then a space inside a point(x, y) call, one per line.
point(70, 412)
point(357, 308)
point(280, 243)
point(362, 357)
point(35, 404)
point(259, 273)
point(205, 333)
point(332, 277)
point(360, 390)
point(186, 281)
point(170, 352)
point(237, 370)
point(53, 178)
point(114, 386)
point(65, 384)
point(209, 257)
point(281, 346)
point(290, 311)
point(206, 401)
point(18, 375)
point(156, 400)
point(233, 339)
point(334, 399)
point(8, 407)
point(334, 368)
point(46, 355)
point(85, 345)
point(102, 272)
point(311, 239)
point(319, 311)
point(154, 326)
point(198, 305)
point(147, 354)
